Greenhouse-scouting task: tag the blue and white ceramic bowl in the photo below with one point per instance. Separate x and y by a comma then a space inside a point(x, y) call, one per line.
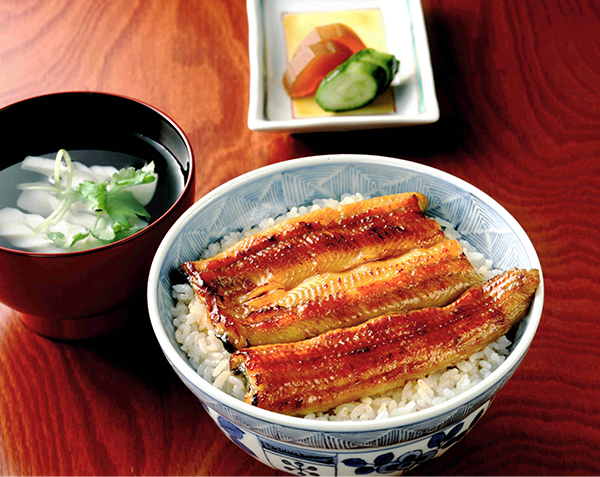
point(308, 447)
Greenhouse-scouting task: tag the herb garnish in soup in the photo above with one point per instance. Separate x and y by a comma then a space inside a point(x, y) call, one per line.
point(77, 207)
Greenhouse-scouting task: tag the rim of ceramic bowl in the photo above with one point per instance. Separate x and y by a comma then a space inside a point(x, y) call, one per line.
point(145, 230)
point(512, 360)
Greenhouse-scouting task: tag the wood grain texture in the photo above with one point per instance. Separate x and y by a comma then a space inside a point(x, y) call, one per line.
point(518, 87)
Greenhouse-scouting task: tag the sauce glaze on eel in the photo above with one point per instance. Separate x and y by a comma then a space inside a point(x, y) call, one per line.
point(271, 286)
point(382, 354)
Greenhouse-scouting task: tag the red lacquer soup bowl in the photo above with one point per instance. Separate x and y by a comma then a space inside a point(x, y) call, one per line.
point(80, 294)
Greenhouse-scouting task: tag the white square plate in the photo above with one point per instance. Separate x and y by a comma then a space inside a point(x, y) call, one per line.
point(414, 90)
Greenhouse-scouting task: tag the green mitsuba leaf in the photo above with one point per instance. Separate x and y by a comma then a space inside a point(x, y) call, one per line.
point(94, 193)
point(124, 203)
point(105, 235)
point(129, 177)
point(58, 238)
point(79, 236)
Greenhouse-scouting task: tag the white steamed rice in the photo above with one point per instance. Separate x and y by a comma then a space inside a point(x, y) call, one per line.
point(206, 353)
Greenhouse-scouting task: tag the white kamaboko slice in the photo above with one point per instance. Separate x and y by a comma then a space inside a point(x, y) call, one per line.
point(17, 227)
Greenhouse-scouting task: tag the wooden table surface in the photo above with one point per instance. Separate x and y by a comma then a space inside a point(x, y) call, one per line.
point(518, 84)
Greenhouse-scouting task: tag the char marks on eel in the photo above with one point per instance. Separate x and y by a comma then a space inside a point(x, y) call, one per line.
point(383, 353)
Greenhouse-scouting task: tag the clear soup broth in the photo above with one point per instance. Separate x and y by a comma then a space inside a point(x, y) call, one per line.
point(171, 177)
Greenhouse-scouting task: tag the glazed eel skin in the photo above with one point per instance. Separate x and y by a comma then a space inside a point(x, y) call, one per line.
point(275, 261)
point(382, 354)
point(424, 277)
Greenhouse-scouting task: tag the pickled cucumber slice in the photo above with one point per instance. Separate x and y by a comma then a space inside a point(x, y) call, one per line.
point(357, 81)
point(351, 85)
point(386, 60)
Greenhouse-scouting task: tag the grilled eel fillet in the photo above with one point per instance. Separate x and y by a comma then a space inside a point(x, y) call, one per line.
point(331, 239)
point(382, 354)
point(424, 277)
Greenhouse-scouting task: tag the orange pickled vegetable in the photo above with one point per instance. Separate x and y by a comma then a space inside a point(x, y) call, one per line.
point(322, 50)
point(336, 32)
point(309, 66)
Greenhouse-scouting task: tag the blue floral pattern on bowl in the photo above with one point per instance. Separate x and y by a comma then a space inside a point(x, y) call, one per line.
point(306, 461)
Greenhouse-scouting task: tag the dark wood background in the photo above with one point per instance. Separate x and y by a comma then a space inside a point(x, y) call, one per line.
point(518, 84)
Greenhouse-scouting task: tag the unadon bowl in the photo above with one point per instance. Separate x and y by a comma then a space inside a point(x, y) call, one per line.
point(309, 447)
